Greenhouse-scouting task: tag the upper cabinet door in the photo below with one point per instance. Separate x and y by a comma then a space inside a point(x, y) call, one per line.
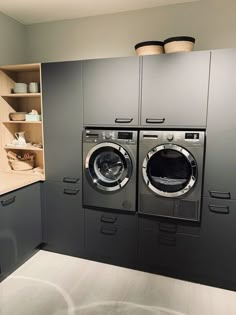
point(220, 166)
point(175, 89)
point(63, 120)
point(111, 91)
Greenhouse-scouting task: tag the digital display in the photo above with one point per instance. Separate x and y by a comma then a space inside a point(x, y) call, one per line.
point(125, 135)
point(192, 135)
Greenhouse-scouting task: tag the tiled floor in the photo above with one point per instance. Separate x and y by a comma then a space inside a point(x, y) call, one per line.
point(53, 284)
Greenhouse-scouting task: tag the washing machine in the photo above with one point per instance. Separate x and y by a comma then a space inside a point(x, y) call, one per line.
point(109, 169)
point(171, 173)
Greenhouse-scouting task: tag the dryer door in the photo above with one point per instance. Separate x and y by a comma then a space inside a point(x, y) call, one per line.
point(108, 166)
point(169, 170)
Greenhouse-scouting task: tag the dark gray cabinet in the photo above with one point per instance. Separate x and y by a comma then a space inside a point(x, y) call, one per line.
point(63, 218)
point(220, 179)
point(20, 226)
point(111, 92)
point(218, 235)
point(168, 247)
point(175, 90)
point(63, 120)
point(111, 237)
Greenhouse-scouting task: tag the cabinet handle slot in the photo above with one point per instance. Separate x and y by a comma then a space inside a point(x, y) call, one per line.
point(155, 121)
point(107, 219)
point(168, 228)
point(71, 191)
point(111, 230)
point(167, 240)
point(219, 209)
point(9, 201)
point(72, 180)
point(123, 120)
point(220, 194)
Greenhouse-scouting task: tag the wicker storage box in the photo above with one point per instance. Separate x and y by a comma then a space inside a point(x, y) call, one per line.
point(179, 44)
point(149, 48)
point(22, 165)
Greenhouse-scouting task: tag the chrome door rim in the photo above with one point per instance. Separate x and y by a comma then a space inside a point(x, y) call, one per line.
point(123, 180)
point(177, 148)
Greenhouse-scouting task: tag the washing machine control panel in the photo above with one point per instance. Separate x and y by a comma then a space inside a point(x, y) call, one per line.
point(118, 136)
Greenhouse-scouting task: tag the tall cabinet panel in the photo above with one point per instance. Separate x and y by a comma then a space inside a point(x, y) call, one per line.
point(175, 90)
point(63, 113)
point(111, 91)
point(220, 179)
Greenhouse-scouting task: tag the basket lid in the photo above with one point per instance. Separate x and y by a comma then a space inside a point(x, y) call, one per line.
point(179, 38)
point(149, 43)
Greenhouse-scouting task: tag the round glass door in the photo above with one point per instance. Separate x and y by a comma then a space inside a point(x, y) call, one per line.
point(108, 166)
point(169, 170)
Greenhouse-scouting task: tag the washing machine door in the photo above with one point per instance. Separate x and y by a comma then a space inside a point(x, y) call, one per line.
point(169, 170)
point(108, 166)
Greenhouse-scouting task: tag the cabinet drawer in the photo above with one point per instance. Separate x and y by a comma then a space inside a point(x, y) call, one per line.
point(111, 237)
point(164, 246)
point(20, 225)
point(218, 237)
point(63, 218)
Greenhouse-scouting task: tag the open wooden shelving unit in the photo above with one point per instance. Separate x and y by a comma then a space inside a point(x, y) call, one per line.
point(25, 102)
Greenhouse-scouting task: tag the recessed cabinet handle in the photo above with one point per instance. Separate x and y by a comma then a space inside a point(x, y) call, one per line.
point(71, 180)
point(219, 209)
point(220, 194)
point(71, 191)
point(123, 120)
point(9, 201)
point(155, 121)
point(167, 240)
point(168, 228)
point(111, 230)
point(107, 219)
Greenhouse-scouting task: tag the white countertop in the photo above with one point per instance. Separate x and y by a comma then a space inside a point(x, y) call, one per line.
point(10, 181)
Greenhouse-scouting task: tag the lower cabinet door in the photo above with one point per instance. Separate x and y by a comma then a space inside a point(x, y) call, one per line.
point(63, 218)
point(168, 247)
point(111, 237)
point(20, 227)
point(218, 239)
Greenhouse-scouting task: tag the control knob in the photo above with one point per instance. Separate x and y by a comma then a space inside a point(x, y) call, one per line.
point(108, 136)
point(170, 137)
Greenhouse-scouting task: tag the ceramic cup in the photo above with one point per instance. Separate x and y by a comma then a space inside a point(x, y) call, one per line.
point(33, 87)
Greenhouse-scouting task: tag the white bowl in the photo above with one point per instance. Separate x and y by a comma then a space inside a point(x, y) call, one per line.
point(20, 88)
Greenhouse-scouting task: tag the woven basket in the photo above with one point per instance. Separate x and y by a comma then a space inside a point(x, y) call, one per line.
point(17, 116)
point(22, 165)
point(179, 44)
point(149, 48)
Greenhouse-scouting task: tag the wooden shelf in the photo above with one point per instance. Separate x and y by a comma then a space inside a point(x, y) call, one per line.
point(28, 148)
point(22, 67)
point(16, 95)
point(21, 122)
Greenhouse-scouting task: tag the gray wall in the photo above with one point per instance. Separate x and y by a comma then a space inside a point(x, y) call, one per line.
point(13, 41)
point(211, 22)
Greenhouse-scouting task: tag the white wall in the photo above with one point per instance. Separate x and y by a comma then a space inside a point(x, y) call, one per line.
point(12, 41)
point(211, 22)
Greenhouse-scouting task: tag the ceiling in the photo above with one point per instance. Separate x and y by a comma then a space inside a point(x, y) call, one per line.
point(31, 11)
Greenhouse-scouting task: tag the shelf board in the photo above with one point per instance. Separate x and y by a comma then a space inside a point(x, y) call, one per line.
point(21, 122)
point(21, 67)
point(16, 95)
point(28, 148)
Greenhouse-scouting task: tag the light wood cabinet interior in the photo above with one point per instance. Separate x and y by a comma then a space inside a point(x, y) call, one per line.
point(26, 102)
